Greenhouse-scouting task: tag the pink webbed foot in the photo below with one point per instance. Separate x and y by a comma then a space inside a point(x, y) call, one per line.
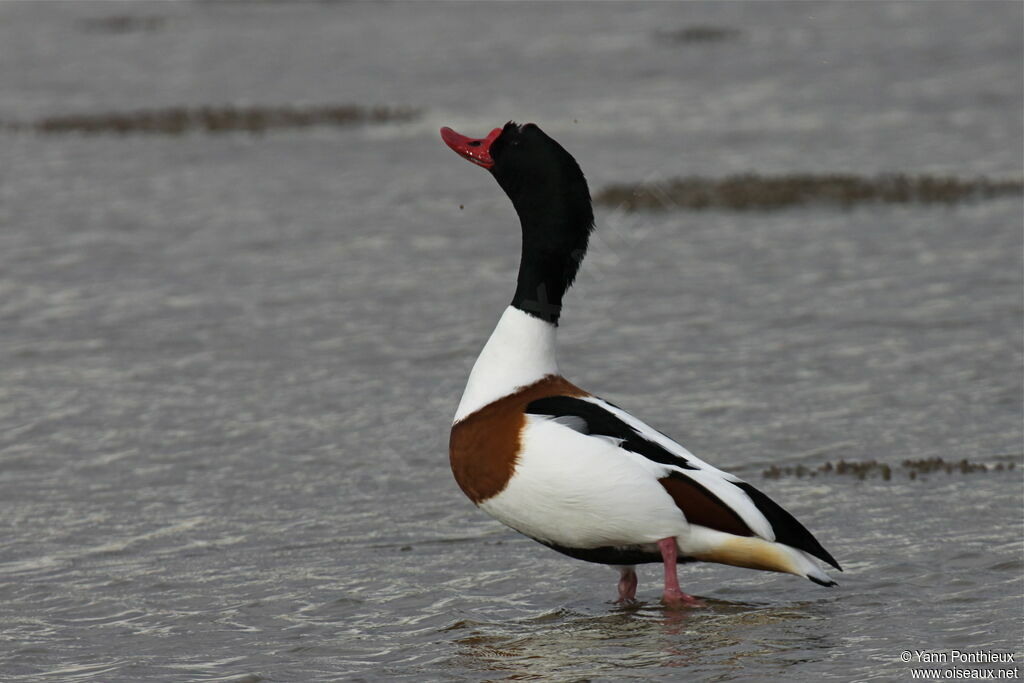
point(673, 596)
point(677, 598)
point(627, 586)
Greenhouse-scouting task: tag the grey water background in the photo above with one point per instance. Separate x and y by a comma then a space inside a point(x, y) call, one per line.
point(228, 362)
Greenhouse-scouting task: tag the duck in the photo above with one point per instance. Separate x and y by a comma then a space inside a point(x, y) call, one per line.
point(565, 467)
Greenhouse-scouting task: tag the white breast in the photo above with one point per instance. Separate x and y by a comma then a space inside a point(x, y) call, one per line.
point(520, 351)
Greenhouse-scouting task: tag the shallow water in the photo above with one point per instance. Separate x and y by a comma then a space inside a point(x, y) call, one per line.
point(228, 362)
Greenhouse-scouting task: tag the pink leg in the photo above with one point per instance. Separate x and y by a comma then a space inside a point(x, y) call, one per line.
point(673, 595)
point(627, 585)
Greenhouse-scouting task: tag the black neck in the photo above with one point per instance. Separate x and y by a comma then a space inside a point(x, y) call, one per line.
point(543, 280)
point(555, 237)
point(550, 196)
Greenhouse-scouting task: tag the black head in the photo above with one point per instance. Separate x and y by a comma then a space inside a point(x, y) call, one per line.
point(550, 194)
point(546, 186)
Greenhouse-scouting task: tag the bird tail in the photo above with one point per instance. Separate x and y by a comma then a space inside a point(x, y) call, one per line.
point(751, 552)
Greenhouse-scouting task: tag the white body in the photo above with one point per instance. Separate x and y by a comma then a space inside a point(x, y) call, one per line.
point(578, 490)
point(613, 497)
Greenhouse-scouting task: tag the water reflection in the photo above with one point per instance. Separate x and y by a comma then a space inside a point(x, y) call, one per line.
point(720, 637)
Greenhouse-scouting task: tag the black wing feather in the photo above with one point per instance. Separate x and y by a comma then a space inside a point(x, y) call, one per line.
point(787, 528)
point(600, 422)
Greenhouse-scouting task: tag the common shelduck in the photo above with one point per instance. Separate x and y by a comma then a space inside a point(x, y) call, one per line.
point(566, 468)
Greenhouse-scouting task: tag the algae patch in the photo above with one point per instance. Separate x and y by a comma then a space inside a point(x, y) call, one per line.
point(754, 192)
point(864, 469)
point(122, 23)
point(701, 33)
point(215, 120)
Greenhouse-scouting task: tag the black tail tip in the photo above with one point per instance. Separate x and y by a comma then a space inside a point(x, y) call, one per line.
point(826, 584)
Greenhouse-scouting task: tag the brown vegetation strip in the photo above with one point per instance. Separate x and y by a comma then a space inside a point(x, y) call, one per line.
point(872, 468)
point(700, 34)
point(122, 23)
point(212, 120)
point(756, 192)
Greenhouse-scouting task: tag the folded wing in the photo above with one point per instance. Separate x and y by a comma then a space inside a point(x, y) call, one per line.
point(706, 495)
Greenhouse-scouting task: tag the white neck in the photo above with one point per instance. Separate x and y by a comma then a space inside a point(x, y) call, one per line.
point(521, 351)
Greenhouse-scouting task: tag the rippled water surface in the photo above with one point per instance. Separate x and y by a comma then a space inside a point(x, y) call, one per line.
point(228, 361)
